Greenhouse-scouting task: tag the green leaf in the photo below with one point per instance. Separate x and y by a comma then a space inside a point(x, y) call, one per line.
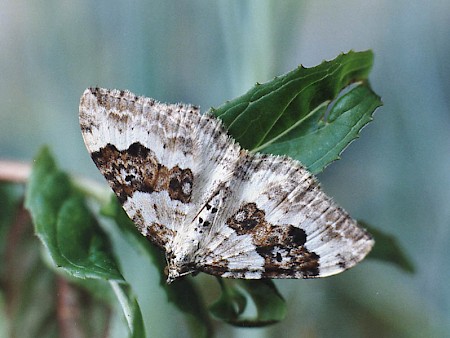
point(37, 300)
point(232, 305)
point(320, 139)
point(73, 237)
point(64, 224)
point(182, 292)
point(388, 249)
point(294, 114)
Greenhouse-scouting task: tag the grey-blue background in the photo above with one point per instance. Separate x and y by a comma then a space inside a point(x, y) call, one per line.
point(396, 176)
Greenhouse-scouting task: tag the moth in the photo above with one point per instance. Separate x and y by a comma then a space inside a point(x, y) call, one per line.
point(211, 205)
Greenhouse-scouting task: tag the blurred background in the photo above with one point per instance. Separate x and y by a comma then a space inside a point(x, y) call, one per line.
point(395, 177)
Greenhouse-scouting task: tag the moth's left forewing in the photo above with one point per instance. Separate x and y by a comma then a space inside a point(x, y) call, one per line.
point(144, 150)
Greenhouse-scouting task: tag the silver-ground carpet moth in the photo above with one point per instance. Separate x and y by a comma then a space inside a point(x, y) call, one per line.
point(209, 204)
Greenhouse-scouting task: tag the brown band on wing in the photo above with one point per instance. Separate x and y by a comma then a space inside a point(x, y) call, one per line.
point(281, 246)
point(137, 169)
point(218, 267)
point(159, 234)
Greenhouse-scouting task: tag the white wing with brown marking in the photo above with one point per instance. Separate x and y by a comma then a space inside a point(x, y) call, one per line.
point(209, 204)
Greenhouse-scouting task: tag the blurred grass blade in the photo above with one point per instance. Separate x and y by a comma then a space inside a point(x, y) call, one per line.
point(130, 309)
point(291, 115)
point(64, 224)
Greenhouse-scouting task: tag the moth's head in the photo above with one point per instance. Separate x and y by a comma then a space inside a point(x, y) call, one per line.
point(171, 274)
point(177, 267)
point(174, 272)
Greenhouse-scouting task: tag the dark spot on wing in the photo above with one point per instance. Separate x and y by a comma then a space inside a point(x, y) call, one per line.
point(298, 235)
point(246, 218)
point(281, 246)
point(279, 258)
